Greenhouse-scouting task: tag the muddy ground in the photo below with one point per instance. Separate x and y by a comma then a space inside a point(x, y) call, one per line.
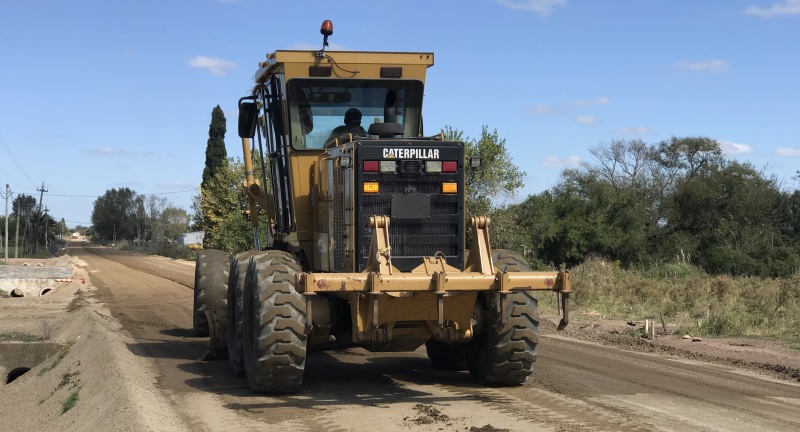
point(117, 353)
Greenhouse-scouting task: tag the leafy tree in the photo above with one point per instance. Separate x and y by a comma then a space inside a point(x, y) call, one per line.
point(498, 176)
point(154, 206)
point(63, 231)
point(223, 203)
point(641, 204)
point(175, 221)
point(729, 216)
point(685, 157)
point(114, 214)
point(23, 204)
point(607, 206)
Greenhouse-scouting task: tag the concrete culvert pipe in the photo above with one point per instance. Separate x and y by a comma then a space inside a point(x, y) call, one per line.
point(16, 373)
point(16, 292)
point(45, 291)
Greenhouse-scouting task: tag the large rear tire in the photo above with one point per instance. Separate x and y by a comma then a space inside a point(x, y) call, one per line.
point(210, 287)
point(274, 324)
point(235, 315)
point(502, 356)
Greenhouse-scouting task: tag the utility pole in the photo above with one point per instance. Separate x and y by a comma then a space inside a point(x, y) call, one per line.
point(16, 236)
point(39, 219)
point(8, 195)
point(45, 226)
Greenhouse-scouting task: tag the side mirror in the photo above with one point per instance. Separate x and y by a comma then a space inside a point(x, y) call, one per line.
point(248, 113)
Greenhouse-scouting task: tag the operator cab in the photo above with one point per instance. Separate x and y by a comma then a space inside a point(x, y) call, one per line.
point(318, 105)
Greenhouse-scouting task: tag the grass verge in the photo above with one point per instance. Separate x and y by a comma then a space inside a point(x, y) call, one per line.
point(20, 337)
point(55, 360)
point(70, 402)
point(689, 300)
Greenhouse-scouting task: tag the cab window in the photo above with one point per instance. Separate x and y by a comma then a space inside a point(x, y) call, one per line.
point(318, 106)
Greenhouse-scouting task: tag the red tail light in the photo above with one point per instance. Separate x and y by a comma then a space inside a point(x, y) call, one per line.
point(371, 166)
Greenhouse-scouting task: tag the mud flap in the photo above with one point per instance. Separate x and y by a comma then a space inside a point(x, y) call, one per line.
point(217, 335)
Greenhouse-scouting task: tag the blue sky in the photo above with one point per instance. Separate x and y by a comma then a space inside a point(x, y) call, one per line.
point(97, 95)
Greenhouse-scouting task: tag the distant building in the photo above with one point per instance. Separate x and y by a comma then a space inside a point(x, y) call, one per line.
point(190, 238)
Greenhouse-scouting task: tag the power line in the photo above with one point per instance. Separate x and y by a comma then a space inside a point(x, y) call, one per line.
point(97, 196)
point(3, 141)
point(4, 172)
point(76, 222)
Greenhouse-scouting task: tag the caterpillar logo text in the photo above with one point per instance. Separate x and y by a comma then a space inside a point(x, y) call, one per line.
point(410, 153)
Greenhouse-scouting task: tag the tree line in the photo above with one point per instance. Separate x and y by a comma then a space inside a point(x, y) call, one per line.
point(31, 229)
point(640, 204)
point(122, 214)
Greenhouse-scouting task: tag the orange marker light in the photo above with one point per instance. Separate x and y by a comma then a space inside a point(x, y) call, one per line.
point(449, 188)
point(371, 187)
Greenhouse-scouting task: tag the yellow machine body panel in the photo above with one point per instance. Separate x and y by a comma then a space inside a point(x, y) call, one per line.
point(302, 159)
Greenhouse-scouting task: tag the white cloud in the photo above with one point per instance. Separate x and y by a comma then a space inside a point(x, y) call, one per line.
point(641, 130)
point(712, 66)
point(587, 120)
point(556, 162)
point(541, 7)
point(732, 148)
point(216, 65)
point(788, 151)
point(106, 151)
point(602, 100)
point(787, 7)
point(562, 108)
point(544, 110)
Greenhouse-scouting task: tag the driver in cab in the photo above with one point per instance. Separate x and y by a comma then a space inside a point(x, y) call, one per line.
point(352, 125)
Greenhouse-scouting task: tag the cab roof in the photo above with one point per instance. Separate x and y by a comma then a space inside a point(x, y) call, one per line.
point(345, 64)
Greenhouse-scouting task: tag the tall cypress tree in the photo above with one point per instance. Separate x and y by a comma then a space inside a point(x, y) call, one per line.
point(216, 157)
point(215, 148)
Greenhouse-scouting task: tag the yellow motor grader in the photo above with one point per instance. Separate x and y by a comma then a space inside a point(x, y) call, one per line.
point(365, 232)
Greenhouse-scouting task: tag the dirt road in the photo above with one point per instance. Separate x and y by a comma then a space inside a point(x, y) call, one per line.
point(577, 385)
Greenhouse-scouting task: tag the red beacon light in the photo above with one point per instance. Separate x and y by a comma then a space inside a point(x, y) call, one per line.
point(326, 30)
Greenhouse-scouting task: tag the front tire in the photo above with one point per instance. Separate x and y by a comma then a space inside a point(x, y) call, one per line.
point(274, 324)
point(502, 356)
point(235, 315)
point(210, 287)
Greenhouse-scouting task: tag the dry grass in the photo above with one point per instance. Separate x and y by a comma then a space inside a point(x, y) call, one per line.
point(690, 299)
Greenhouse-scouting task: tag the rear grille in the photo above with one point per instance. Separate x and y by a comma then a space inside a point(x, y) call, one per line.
point(412, 167)
point(411, 239)
point(339, 221)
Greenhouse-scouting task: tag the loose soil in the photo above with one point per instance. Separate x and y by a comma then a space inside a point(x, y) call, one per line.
point(129, 362)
